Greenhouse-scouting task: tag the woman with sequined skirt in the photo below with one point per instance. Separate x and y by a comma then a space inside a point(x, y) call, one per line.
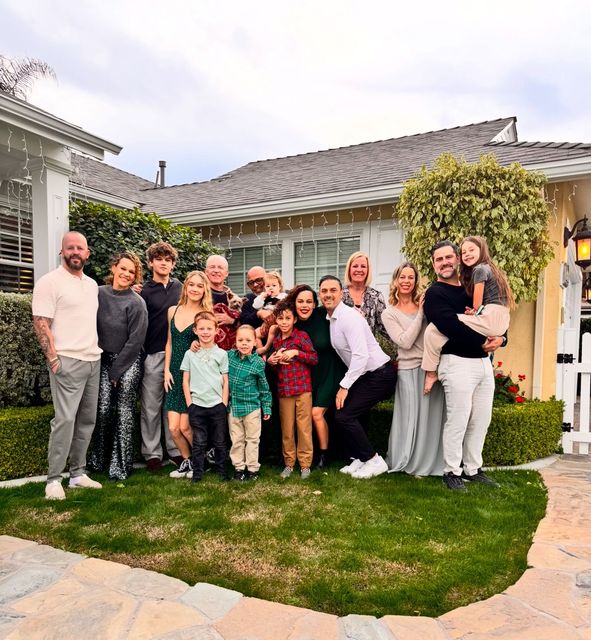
point(122, 321)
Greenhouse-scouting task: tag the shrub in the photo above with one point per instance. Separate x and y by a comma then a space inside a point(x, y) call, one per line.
point(24, 380)
point(520, 433)
point(504, 204)
point(24, 434)
point(110, 230)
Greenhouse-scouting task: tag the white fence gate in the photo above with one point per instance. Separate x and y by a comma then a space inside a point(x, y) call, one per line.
point(582, 415)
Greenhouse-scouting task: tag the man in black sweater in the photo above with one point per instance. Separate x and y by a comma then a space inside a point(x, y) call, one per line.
point(160, 292)
point(465, 372)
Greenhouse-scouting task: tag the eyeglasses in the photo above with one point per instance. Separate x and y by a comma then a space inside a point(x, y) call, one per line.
point(255, 281)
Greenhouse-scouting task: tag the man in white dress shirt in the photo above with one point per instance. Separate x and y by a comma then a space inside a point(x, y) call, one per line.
point(370, 378)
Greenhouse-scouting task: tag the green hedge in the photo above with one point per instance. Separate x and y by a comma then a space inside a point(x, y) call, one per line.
point(520, 433)
point(517, 434)
point(24, 434)
point(24, 380)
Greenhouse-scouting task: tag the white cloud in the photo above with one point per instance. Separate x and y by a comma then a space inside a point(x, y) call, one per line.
point(210, 86)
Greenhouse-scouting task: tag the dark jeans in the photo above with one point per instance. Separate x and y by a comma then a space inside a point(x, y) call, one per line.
point(209, 424)
point(366, 392)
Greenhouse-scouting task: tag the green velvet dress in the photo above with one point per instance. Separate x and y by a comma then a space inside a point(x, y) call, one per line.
point(329, 371)
point(181, 343)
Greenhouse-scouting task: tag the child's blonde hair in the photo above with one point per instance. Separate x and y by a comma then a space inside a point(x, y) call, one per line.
point(498, 273)
point(205, 315)
point(274, 275)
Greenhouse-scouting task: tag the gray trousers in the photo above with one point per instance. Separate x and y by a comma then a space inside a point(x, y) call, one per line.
point(154, 418)
point(469, 388)
point(74, 391)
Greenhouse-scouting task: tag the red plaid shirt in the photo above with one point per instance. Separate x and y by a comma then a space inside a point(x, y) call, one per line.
point(295, 377)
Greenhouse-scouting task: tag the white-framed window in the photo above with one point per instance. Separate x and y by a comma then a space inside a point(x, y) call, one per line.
point(16, 251)
point(241, 259)
point(316, 258)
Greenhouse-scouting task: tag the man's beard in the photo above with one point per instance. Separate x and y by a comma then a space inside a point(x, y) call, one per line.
point(75, 267)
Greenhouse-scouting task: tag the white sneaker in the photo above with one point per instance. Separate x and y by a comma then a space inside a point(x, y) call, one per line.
point(351, 468)
point(183, 469)
point(373, 467)
point(84, 482)
point(54, 491)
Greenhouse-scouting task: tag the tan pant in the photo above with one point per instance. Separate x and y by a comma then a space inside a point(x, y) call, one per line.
point(245, 433)
point(493, 321)
point(295, 412)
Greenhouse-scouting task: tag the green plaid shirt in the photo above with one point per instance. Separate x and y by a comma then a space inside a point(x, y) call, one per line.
point(249, 389)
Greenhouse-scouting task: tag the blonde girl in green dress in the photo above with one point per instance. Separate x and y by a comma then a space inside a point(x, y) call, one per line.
point(195, 297)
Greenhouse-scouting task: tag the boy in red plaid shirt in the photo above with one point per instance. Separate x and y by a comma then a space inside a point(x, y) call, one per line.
point(292, 357)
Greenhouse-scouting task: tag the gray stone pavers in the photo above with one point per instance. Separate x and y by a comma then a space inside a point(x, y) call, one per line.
point(25, 581)
point(355, 627)
point(50, 594)
point(213, 602)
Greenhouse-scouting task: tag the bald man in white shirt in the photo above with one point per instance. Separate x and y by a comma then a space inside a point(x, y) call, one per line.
point(370, 378)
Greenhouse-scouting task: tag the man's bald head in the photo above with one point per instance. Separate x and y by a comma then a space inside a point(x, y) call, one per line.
point(74, 252)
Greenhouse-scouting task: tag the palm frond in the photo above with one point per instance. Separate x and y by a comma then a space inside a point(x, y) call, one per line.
point(17, 75)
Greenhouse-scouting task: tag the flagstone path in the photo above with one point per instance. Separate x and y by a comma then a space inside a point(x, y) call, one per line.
point(50, 594)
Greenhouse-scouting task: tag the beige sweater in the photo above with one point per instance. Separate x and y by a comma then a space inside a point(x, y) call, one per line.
point(406, 331)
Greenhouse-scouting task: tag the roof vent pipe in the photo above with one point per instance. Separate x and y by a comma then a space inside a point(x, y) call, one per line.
point(162, 167)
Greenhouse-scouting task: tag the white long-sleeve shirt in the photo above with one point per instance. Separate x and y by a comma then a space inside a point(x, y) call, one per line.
point(353, 340)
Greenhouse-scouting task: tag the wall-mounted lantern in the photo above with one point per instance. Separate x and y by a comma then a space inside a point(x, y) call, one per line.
point(582, 240)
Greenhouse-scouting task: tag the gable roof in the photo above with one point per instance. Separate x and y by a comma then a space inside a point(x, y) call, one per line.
point(368, 166)
point(100, 181)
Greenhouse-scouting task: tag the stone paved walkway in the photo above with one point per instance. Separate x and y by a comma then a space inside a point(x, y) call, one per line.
point(46, 593)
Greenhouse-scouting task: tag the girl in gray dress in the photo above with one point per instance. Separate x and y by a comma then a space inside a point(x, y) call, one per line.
point(415, 437)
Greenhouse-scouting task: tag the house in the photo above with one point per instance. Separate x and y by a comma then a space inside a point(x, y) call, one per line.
point(305, 214)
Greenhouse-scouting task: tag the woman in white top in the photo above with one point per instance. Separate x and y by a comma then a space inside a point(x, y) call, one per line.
point(414, 444)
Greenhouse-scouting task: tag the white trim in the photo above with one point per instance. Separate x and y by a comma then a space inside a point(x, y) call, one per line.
point(32, 119)
point(508, 134)
point(563, 170)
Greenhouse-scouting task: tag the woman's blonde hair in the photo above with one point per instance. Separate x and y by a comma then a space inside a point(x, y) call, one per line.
point(275, 275)
point(352, 258)
point(206, 301)
point(485, 258)
point(137, 263)
point(416, 292)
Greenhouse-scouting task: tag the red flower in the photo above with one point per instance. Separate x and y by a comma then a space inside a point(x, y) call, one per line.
point(499, 375)
point(513, 389)
point(520, 399)
point(499, 364)
point(521, 377)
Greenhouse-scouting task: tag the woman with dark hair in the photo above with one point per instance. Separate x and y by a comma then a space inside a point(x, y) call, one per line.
point(414, 444)
point(330, 369)
point(122, 321)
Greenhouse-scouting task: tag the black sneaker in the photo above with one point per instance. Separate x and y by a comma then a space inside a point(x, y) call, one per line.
point(453, 482)
point(240, 474)
point(481, 477)
point(251, 475)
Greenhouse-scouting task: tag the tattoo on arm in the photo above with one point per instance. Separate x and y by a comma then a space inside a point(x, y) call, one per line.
point(42, 327)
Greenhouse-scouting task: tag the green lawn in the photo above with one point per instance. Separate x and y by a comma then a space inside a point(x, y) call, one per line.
point(390, 545)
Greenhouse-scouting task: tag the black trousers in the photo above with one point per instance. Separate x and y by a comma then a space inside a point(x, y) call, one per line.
point(209, 424)
point(366, 391)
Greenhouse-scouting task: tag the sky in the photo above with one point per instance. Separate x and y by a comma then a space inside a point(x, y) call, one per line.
point(210, 86)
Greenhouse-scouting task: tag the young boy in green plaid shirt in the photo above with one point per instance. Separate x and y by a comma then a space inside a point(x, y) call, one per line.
point(249, 392)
